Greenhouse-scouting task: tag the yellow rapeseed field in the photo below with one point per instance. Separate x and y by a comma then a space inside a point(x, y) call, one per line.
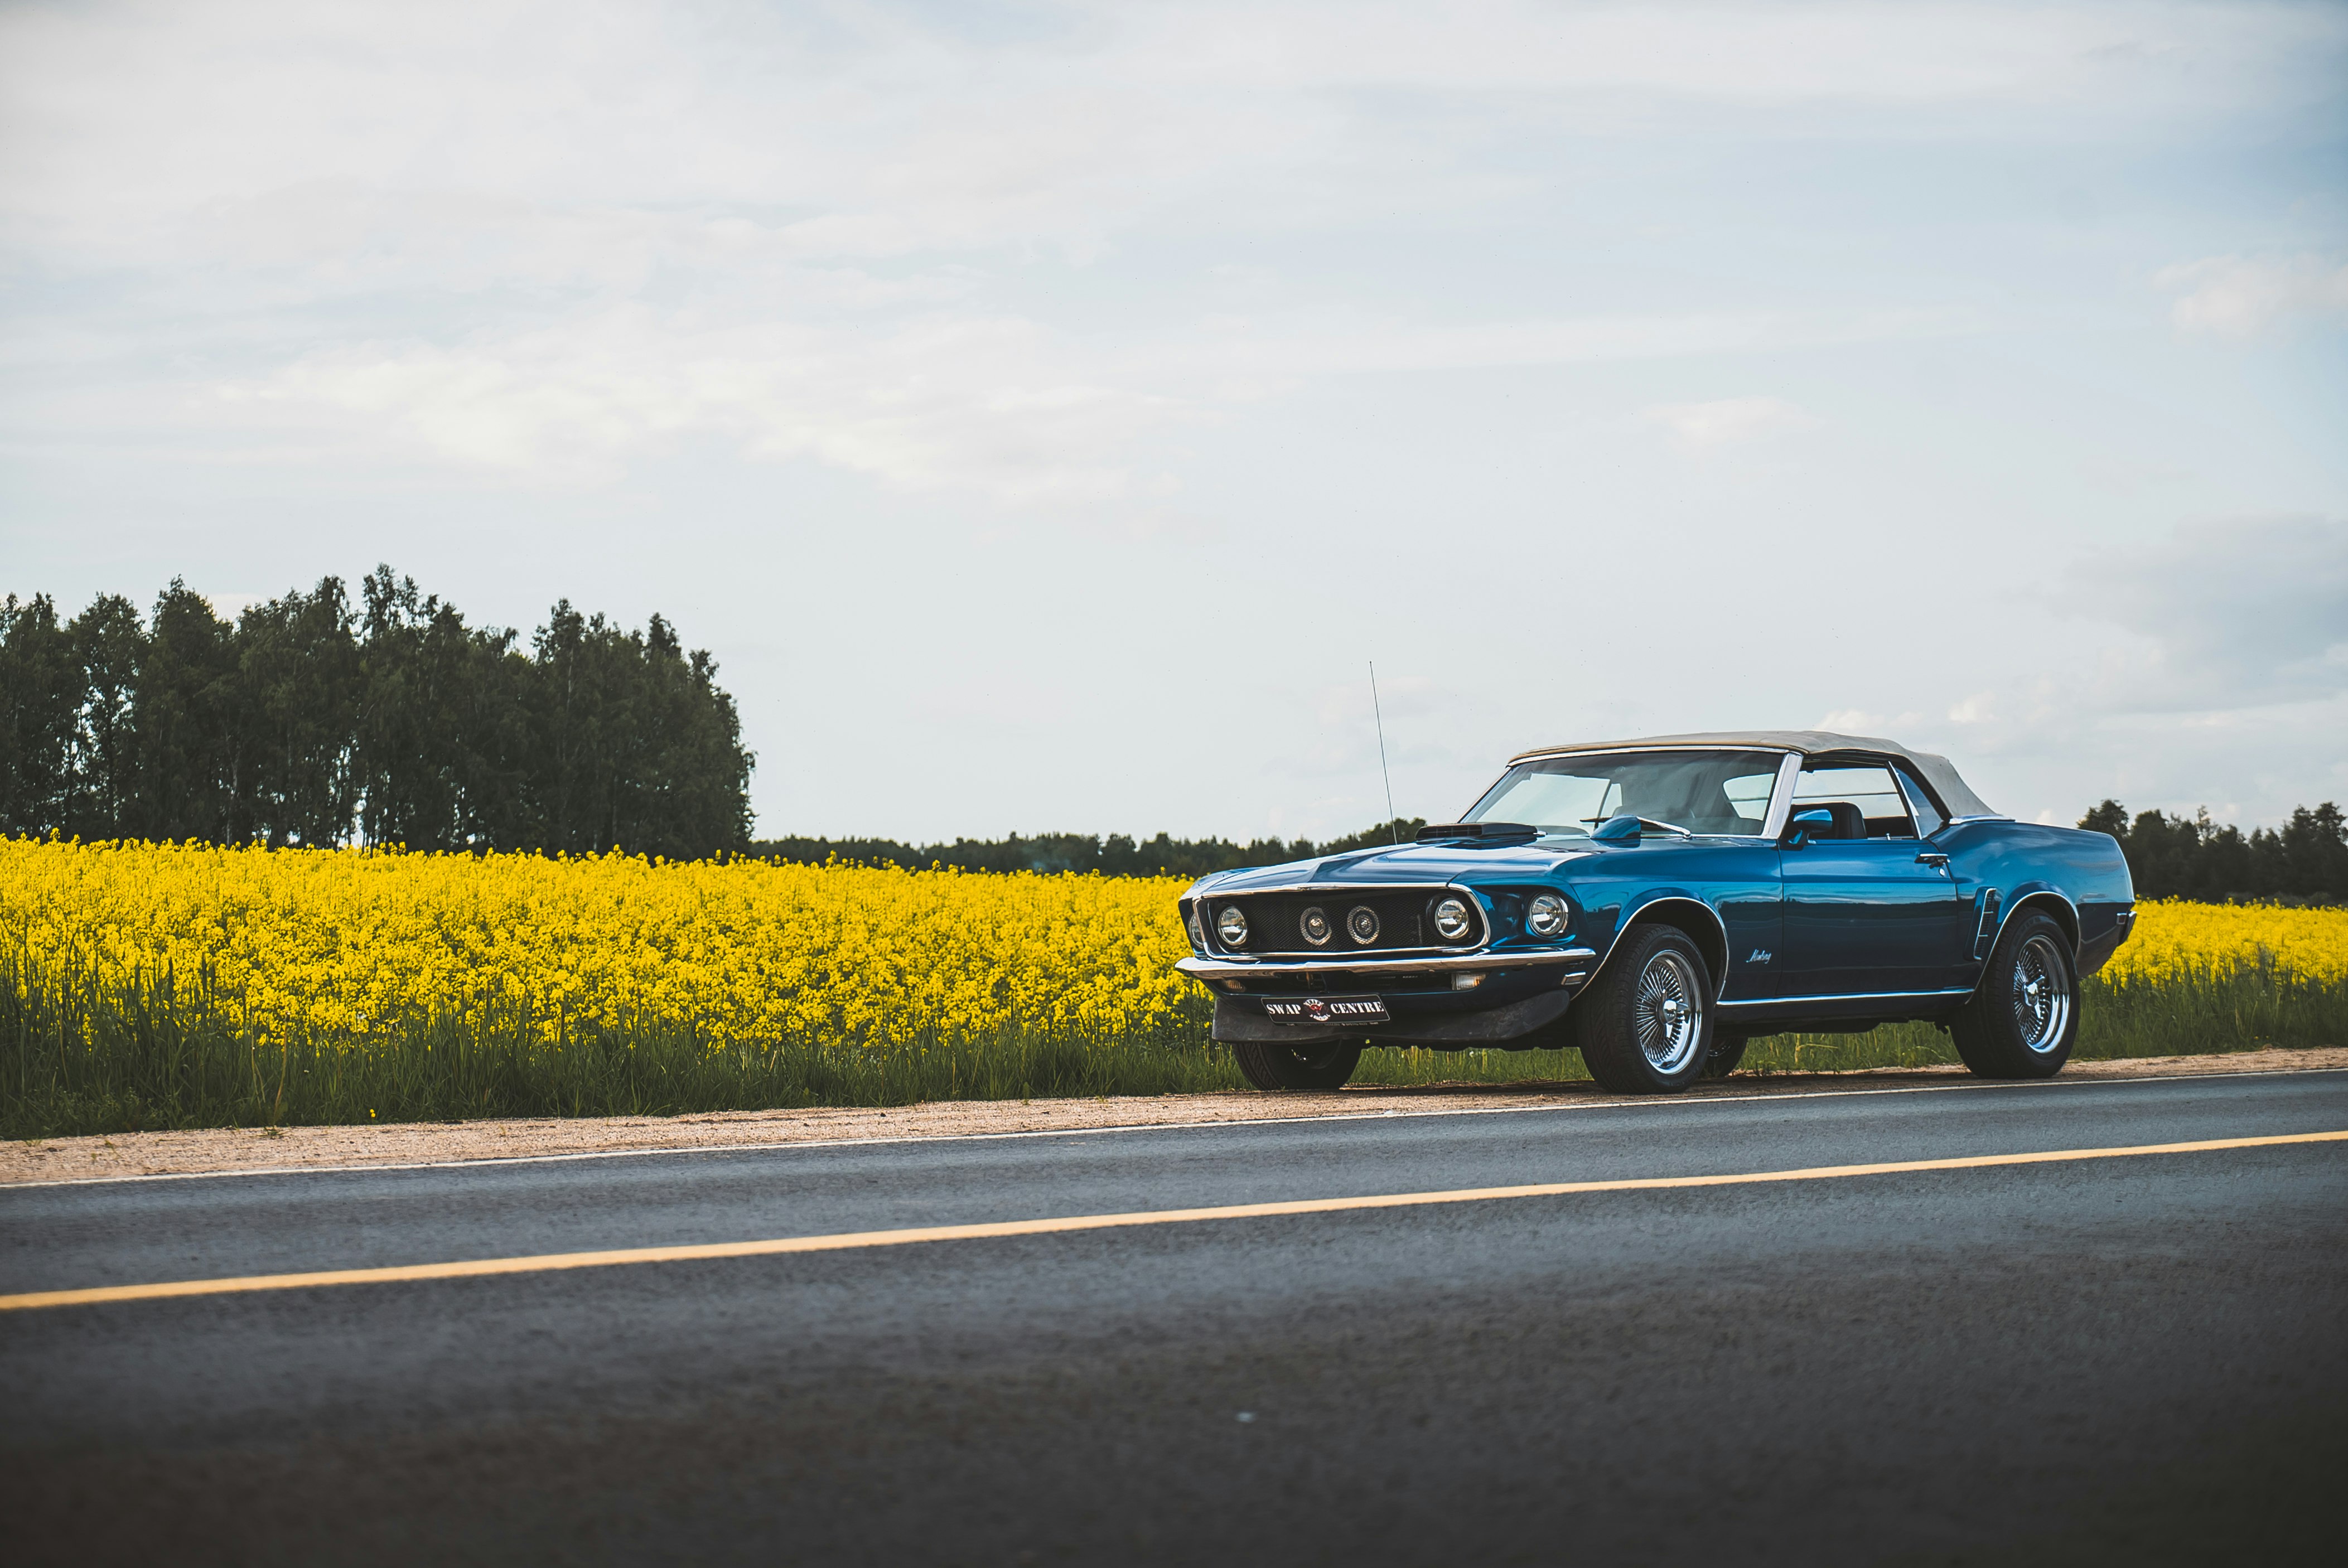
point(356, 943)
point(345, 943)
point(2175, 940)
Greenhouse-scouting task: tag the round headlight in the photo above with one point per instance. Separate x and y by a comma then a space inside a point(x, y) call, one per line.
point(1547, 915)
point(1362, 922)
point(1231, 927)
point(1314, 924)
point(1451, 920)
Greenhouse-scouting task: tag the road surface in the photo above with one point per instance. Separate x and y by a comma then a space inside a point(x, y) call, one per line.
point(2139, 1358)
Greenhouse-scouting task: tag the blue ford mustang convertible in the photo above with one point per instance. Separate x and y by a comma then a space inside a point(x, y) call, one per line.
point(1656, 902)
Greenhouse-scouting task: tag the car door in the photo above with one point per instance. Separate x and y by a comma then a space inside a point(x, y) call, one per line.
point(1870, 907)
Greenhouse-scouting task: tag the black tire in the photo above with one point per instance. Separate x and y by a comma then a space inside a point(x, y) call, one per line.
point(2024, 1016)
point(1633, 1023)
point(1727, 1050)
point(1323, 1066)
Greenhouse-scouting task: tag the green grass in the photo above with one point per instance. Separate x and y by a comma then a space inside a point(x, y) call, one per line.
point(80, 1056)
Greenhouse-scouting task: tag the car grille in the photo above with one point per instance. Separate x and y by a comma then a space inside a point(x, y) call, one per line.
point(1404, 922)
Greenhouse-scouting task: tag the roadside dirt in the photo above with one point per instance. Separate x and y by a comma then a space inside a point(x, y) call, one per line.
point(136, 1155)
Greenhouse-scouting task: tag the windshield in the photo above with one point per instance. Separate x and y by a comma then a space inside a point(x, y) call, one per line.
point(1703, 792)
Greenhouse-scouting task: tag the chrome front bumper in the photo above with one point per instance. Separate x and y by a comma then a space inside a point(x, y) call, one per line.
point(1200, 968)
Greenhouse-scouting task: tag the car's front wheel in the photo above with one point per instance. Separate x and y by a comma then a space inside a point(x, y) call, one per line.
point(2024, 1018)
point(1296, 1067)
point(1645, 1024)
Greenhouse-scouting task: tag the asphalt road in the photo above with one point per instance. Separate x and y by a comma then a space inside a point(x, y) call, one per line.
point(2142, 1359)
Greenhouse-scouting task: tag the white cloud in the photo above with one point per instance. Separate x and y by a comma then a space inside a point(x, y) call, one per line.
point(2236, 296)
point(1860, 722)
point(2225, 616)
point(1730, 419)
point(543, 238)
point(996, 405)
point(1977, 709)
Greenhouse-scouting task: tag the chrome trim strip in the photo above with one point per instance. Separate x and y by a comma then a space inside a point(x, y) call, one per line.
point(1781, 797)
point(1611, 751)
point(1228, 969)
point(1429, 888)
point(1843, 997)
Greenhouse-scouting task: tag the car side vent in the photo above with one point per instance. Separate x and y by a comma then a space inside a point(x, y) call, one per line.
point(1479, 833)
point(1985, 930)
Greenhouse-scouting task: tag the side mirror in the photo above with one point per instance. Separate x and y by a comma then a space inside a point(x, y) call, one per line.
point(1805, 825)
point(1621, 828)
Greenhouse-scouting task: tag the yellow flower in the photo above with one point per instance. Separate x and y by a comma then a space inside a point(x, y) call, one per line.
point(349, 944)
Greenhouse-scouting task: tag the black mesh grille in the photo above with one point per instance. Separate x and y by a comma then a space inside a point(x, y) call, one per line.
point(1405, 921)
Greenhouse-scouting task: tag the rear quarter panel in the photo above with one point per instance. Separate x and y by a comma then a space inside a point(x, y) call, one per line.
point(2017, 859)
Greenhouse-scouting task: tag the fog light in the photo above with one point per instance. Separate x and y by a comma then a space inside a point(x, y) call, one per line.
point(1362, 922)
point(1314, 924)
point(1451, 921)
point(1547, 915)
point(1231, 927)
point(1466, 982)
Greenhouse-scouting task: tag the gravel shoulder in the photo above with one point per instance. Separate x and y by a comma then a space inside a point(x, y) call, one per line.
point(252, 1150)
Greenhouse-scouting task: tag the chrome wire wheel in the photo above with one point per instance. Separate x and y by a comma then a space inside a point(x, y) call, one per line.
point(2042, 995)
point(1668, 1012)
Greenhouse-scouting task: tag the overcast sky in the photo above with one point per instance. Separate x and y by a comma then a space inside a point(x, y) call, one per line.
point(1045, 413)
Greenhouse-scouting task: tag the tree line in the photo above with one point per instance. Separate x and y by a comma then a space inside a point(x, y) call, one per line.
point(308, 720)
point(2304, 861)
point(1115, 855)
point(2170, 856)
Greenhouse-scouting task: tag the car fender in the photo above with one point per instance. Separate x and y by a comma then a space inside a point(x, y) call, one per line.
point(1673, 906)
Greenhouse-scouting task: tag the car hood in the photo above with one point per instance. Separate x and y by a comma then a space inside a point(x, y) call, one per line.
point(1432, 863)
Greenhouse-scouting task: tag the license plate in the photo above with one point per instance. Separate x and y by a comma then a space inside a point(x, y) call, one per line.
point(1325, 1010)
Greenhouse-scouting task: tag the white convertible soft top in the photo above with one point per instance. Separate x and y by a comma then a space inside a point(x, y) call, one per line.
point(1938, 771)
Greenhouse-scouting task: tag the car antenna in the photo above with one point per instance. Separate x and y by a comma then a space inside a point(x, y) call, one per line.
point(1379, 713)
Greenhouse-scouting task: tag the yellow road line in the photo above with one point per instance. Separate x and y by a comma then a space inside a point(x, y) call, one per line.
point(849, 1241)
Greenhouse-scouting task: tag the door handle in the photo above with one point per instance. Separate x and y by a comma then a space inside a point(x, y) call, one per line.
point(1933, 858)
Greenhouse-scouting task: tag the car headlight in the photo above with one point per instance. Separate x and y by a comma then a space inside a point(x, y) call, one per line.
point(1547, 915)
point(1362, 922)
point(1451, 920)
point(1231, 927)
point(1314, 924)
point(1198, 933)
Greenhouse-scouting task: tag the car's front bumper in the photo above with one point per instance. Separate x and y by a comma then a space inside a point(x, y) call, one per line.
point(1215, 971)
point(1525, 1024)
point(1519, 996)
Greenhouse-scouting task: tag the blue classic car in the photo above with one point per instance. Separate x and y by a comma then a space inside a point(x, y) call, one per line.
point(1656, 902)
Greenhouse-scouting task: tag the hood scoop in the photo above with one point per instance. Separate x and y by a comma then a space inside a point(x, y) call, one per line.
point(1479, 833)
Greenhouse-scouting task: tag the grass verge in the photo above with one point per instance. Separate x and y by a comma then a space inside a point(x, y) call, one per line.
point(78, 1055)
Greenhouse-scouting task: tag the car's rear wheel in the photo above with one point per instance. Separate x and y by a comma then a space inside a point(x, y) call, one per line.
point(1320, 1066)
point(2024, 1016)
point(1727, 1050)
point(1644, 1025)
